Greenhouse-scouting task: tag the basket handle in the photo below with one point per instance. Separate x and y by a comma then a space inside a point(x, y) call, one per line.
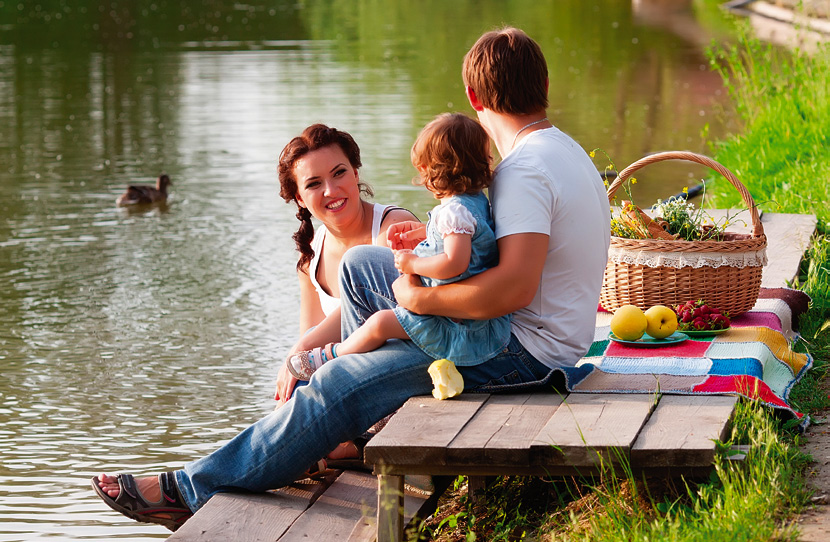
point(757, 228)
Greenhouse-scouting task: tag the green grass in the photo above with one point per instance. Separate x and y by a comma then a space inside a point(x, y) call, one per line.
point(748, 500)
point(782, 155)
point(811, 394)
point(742, 500)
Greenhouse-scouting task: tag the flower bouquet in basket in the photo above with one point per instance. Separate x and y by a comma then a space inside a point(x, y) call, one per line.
point(671, 256)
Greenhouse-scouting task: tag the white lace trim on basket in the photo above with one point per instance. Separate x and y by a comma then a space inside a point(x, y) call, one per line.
point(695, 260)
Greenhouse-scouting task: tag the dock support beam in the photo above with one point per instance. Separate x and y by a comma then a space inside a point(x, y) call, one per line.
point(390, 508)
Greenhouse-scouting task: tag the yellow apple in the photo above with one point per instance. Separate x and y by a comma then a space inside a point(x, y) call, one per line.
point(662, 321)
point(628, 323)
point(446, 379)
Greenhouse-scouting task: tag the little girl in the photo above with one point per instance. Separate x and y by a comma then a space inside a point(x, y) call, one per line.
point(452, 156)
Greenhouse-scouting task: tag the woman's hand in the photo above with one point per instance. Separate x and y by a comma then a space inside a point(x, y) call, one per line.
point(405, 261)
point(285, 385)
point(405, 235)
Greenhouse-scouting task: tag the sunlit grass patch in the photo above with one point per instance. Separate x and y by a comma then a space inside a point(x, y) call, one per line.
point(782, 153)
point(742, 500)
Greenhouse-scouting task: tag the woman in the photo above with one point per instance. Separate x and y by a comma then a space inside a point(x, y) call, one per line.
point(318, 170)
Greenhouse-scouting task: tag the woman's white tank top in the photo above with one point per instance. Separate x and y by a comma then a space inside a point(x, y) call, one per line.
point(328, 302)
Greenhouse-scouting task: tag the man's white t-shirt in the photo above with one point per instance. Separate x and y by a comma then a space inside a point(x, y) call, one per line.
point(547, 184)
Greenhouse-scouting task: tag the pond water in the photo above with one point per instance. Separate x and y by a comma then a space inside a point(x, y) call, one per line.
point(137, 341)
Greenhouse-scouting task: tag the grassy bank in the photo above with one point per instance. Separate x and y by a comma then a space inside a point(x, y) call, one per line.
point(782, 155)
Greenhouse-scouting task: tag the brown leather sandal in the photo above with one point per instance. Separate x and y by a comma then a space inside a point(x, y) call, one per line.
point(170, 511)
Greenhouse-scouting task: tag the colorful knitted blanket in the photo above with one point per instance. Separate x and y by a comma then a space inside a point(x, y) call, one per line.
point(754, 358)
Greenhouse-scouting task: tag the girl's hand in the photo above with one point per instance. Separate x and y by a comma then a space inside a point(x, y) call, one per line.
point(285, 385)
point(405, 235)
point(405, 261)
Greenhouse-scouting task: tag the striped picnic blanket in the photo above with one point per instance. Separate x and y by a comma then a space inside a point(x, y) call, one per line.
point(754, 358)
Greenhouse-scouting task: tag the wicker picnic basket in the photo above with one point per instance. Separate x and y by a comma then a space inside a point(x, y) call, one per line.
point(647, 272)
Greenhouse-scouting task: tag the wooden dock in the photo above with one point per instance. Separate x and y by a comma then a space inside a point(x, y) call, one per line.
point(342, 507)
point(534, 434)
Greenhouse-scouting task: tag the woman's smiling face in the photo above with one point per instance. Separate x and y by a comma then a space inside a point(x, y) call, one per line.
point(327, 185)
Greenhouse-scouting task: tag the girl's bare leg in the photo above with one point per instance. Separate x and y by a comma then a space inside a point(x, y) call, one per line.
point(378, 328)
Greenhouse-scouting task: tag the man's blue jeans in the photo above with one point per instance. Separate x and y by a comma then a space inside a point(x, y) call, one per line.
point(344, 397)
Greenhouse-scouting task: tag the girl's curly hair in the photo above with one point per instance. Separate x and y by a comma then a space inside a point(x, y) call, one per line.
point(452, 156)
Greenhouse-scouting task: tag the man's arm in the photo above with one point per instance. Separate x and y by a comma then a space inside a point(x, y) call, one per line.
point(509, 286)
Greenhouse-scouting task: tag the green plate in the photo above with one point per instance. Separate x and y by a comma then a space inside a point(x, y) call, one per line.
point(647, 340)
point(705, 332)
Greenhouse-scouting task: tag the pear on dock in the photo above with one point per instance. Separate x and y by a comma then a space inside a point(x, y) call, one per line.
point(140, 194)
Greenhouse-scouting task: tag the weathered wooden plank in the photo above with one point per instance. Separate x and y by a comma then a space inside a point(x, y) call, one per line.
point(503, 429)
point(335, 513)
point(416, 502)
point(588, 429)
point(421, 430)
point(788, 236)
point(252, 517)
point(345, 510)
point(546, 469)
point(681, 431)
point(364, 531)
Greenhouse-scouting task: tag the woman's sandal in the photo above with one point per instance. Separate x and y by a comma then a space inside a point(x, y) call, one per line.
point(170, 511)
point(303, 364)
point(327, 466)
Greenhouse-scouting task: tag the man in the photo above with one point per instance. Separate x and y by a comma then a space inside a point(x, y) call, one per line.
point(552, 224)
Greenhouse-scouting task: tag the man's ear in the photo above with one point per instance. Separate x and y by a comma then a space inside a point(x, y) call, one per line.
point(474, 101)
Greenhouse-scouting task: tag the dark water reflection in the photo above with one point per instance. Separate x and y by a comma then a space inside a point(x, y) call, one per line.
point(136, 341)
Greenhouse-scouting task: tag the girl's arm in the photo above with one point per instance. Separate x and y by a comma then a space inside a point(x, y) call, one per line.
point(452, 262)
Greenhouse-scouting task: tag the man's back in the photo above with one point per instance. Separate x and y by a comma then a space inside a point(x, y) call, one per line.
point(547, 184)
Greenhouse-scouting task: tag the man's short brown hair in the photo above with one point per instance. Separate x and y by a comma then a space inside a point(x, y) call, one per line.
point(508, 73)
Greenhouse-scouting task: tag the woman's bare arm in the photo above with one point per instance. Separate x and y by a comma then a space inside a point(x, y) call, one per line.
point(311, 312)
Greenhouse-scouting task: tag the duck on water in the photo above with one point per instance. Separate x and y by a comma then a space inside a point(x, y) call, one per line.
point(145, 194)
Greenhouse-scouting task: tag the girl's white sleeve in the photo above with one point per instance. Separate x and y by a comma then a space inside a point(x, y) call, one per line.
point(453, 217)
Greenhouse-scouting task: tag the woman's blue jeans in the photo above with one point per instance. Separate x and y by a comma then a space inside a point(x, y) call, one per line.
point(345, 397)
